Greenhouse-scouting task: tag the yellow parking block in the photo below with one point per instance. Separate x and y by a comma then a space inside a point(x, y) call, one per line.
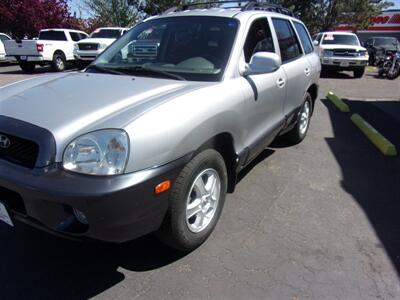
point(343, 107)
point(383, 144)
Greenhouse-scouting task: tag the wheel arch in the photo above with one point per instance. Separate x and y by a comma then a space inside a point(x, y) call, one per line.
point(224, 144)
point(60, 52)
point(313, 90)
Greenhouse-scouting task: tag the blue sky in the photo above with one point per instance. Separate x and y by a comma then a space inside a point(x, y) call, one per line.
point(75, 4)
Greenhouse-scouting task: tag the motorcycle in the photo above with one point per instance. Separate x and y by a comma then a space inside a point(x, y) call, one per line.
point(389, 64)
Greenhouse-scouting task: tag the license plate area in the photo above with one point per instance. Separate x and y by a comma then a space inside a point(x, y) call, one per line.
point(23, 57)
point(5, 216)
point(344, 64)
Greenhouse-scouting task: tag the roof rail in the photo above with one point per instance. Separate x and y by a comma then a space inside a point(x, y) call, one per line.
point(243, 5)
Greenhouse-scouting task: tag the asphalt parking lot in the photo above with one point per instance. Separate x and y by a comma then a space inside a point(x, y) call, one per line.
point(319, 220)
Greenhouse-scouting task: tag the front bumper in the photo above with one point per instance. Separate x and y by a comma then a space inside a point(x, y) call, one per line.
point(344, 62)
point(87, 55)
point(118, 208)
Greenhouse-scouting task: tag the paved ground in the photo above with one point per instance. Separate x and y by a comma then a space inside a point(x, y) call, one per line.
point(319, 220)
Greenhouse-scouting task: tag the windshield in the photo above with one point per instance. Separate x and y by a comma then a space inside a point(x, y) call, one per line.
point(385, 42)
point(106, 33)
point(191, 48)
point(340, 39)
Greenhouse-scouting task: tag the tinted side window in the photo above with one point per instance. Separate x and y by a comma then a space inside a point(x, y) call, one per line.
point(52, 35)
point(304, 37)
point(74, 36)
point(288, 43)
point(259, 39)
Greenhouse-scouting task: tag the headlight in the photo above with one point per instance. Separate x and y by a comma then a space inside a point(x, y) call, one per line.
point(327, 53)
point(363, 53)
point(103, 152)
point(102, 46)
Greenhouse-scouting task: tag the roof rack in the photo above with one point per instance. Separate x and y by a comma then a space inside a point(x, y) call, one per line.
point(243, 5)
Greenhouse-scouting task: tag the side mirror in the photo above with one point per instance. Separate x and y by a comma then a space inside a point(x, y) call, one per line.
point(262, 63)
point(316, 43)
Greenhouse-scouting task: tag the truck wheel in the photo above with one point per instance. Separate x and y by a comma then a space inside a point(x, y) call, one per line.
point(195, 202)
point(358, 73)
point(299, 132)
point(59, 63)
point(27, 67)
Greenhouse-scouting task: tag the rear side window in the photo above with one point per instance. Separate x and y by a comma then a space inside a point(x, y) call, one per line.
point(304, 37)
point(52, 35)
point(74, 36)
point(288, 42)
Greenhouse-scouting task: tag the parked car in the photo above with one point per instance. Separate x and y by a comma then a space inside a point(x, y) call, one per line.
point(3, 37)
point(150, 139)
point(87, 50)
point(341, 51)
point(376, 45)
point(53, 47)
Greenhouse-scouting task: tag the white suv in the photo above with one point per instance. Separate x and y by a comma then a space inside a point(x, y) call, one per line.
point(341, 51)
point(88, 49)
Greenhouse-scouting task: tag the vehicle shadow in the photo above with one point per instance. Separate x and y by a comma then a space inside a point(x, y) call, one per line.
point(372, 179)
point(337, 75)
point(38, 70)
point(261, 157)
point(36, 265)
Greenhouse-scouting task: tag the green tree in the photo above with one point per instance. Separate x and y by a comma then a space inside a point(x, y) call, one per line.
point(113, 12)
point(322, 15)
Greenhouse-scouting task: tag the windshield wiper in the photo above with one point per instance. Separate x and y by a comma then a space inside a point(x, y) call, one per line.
point(106, 70)
point(157, 71)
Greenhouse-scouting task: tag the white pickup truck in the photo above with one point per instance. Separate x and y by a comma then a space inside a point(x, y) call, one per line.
point(53, 47)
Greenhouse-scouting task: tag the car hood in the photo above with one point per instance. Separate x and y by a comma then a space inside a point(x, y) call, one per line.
point(97, 41)
point(71, 104)
point(333, 47)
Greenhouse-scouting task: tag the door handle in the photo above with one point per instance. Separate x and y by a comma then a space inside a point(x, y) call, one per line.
point(281, 82)
point(307, 71)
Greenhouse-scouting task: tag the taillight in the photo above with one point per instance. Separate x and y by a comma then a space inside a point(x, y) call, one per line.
point(39, 47)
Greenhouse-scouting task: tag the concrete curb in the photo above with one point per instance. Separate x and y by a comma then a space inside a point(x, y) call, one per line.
point(383, 144)
point(343, 107)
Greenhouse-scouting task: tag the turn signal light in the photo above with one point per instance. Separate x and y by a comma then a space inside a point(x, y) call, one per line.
point(162, 187)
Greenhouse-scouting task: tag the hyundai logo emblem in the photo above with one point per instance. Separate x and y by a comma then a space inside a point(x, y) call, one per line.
point(4, 142)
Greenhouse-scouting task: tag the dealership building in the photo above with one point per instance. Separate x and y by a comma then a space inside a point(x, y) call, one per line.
point(386, 24)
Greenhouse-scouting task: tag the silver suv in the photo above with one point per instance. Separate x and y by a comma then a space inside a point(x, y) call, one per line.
point(151, 136)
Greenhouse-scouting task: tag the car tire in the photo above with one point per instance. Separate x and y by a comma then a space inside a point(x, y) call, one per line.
point(201, 186)
point(299, 131)
point(27, 67)
point(59, 63)
point(359, 73)
point(81, 64)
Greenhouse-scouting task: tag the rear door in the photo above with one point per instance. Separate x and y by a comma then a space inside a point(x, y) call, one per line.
point(296, 67)
point(308, 50)
point(264, 93)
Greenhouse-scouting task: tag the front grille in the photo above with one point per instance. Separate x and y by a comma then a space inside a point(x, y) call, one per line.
point(12, 200)
point(88, 46)
point(345, 52)
point(18, 150)
point(145, 50)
